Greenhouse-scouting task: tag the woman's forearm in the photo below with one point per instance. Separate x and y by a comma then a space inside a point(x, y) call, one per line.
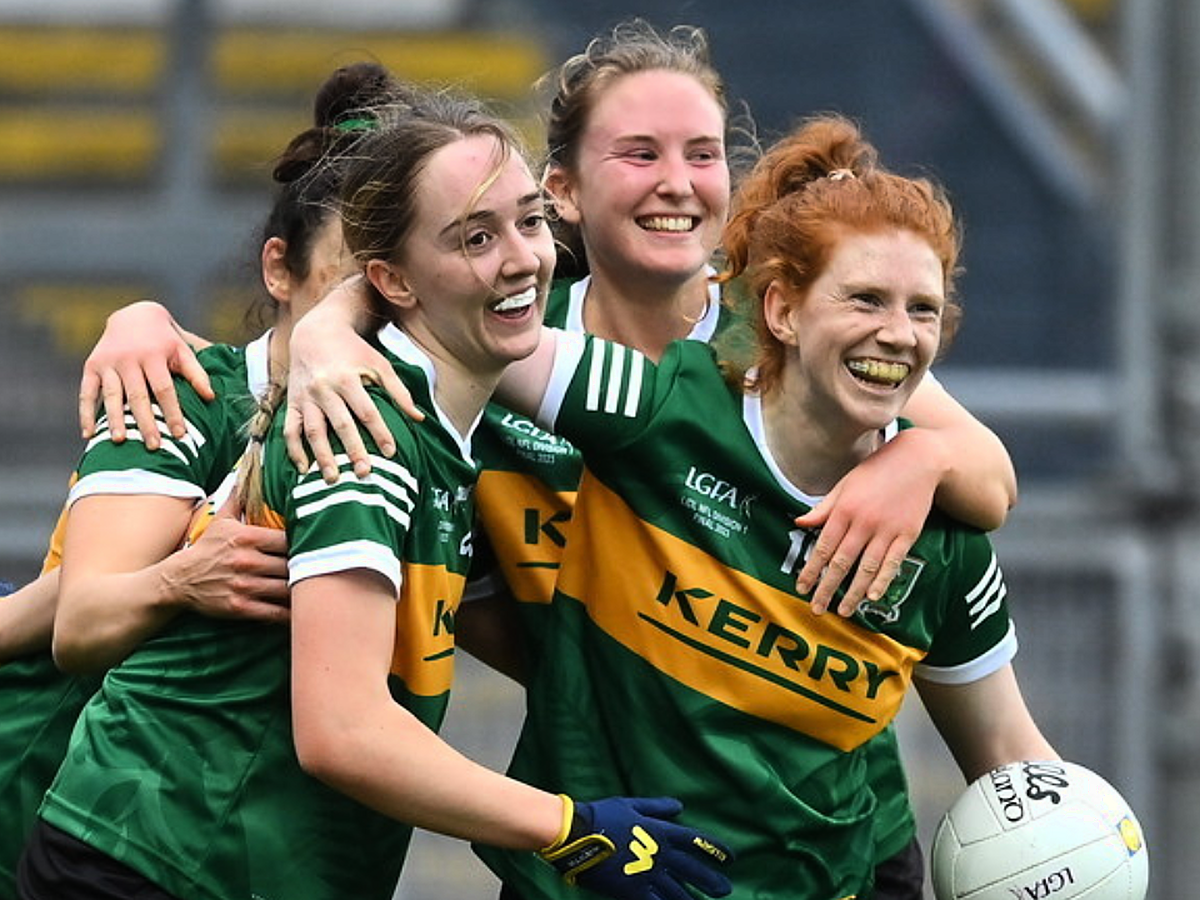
point(979, 482)
point(27, 617)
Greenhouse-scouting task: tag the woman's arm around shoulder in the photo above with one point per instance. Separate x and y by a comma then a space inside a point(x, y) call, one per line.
point(979, 483)
point(124, 577)
point(142, 346)
point(329, 364)
point(876, 512)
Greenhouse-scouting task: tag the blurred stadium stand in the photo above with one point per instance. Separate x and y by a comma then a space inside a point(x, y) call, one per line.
point(135, 146)
point(82, 105)
point(135, 143)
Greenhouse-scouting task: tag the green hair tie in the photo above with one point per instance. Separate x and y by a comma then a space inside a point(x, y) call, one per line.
point(360, 124)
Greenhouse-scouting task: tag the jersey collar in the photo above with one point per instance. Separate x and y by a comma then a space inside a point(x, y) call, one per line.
point(752, 415)
point(702, 331)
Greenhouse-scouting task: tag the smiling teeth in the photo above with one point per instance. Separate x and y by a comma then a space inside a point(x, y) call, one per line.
point(516, 301)
point(667, 223)
point(878, 371)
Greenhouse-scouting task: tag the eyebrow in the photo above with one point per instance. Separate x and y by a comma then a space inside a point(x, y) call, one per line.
point(649, 138)
point(482, 215)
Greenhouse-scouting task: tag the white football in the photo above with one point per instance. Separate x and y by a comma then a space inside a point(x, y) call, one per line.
point(1032, 830)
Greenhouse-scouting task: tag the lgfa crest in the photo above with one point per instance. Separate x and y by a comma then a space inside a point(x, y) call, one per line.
point(886, 609)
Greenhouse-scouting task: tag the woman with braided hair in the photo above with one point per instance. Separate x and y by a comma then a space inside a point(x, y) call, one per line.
point(231, 760)
point(233, 571)
point(130, 600)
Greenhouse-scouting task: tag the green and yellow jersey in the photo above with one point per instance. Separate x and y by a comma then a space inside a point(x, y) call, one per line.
point(529, 475)
point(43, 703)
point(526, 494)
point(183, 766)
point(684, 663)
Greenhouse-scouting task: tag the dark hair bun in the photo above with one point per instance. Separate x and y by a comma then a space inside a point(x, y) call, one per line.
point(341, 112)
point(352, 91)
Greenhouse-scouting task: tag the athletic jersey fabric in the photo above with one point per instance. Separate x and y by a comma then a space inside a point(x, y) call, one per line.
point(525, 497)
point(761, 713)
point(203, 794)
point(528, 475)
point(43, 703)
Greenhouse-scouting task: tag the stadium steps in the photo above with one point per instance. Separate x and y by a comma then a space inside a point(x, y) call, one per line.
point(81, 109)
point(82, 105)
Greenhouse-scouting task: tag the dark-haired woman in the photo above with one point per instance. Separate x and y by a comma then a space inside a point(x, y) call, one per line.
point(247, 760)
point(127, 591)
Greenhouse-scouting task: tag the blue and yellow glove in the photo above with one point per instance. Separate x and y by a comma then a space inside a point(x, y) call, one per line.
point(625, 847)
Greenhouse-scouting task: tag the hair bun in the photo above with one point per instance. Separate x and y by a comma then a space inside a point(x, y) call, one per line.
point(351, 91)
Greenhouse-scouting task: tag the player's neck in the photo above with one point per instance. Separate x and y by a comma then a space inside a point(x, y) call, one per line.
point(648, 319)
point(813, 450)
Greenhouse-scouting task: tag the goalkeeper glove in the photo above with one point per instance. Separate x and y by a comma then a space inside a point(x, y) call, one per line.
point(626, 848)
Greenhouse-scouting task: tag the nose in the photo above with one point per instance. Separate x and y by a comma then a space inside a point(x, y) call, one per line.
point(675, 177)
point(897, 328)
point(521, 258)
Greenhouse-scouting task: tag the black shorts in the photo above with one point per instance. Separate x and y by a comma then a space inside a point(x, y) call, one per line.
point(901, 877)
point(57, 866)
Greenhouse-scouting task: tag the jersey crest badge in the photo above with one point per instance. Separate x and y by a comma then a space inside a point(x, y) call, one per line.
point(886, 609)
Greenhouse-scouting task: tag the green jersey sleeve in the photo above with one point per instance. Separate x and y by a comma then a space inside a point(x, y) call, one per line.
point(357, 522)
point(603, 395)
point(975, 636)
point(191, 466)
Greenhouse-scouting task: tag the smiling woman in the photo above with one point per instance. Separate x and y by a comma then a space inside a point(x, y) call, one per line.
point(854, 346)
point(674, 594)
point(649, 178)
point(465, 277)
point(447, 222)
point(327, 728)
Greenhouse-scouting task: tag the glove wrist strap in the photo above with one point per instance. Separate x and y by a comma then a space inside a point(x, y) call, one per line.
point(577, 848)
point(564, 829)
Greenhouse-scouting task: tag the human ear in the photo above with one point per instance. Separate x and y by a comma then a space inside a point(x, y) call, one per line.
point(777, 308)
point(275, 274)
point(558, 185)
point(391, 283)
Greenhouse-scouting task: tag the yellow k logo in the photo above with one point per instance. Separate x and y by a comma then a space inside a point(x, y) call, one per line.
point(643, 848)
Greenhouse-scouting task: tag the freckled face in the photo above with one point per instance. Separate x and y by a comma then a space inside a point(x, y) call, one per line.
point(651, 188)
point(868, 329)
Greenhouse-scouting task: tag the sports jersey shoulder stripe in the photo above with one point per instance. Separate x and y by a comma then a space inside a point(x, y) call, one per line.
point(616, 374)
point(383, 464)
point(402, 488)
point(308, 509)
point(193, 440)
point(395, 494)
point(378, 464)
point(984, 599)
